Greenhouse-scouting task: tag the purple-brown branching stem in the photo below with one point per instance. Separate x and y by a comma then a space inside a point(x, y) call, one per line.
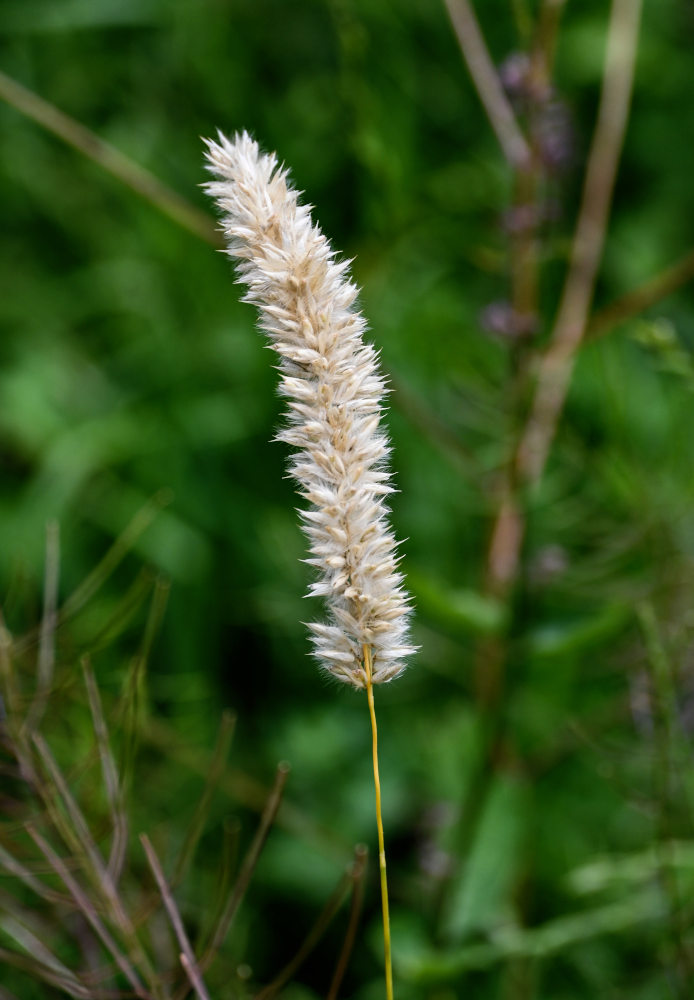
point(486, 79)
point(535, 433)
point(187, 957)
point(557, 364)
point(86, 906)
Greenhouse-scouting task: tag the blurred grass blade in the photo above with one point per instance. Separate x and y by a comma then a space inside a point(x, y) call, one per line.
point(571, 637)
point(230, 850)
point(217, 766)
point(133, 706)
point(58, 801)
point(481, 890)
point(610, 871)
point(103, 570)
point(158, 607)
point(73, 827)
point(127, 607)
point(247, 791)
point(8, 677)
point(461, 612)
point(29, 942)
point(14, 867)
point(130, 720)
point(112, 160)
point(86, 907)
point(77, 15)
point(37, 970)
point(119, 817)
point(639, 299)
point(120, 548)
point(424, 966)
point(661, 669)
point(49, 621)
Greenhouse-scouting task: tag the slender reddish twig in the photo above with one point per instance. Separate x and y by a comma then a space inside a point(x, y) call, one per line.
point(86, 907)
point(486, 80)
point(187, 957)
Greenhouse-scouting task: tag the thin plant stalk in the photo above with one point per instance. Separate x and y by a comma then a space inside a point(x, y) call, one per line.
point(194, 977)
point(187, 956)
point(368, 667)
point(86, 907)
point(49, 621)
point(496, 104)
point(112, 785)
point(247, 867)
point(217, 766)
point(313, 937)
point(358, 871)
point(137, 178)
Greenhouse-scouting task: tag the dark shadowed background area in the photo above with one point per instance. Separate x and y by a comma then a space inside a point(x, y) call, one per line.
point(536, 756)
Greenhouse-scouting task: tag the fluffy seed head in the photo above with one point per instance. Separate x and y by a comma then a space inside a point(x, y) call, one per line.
point(334, 393)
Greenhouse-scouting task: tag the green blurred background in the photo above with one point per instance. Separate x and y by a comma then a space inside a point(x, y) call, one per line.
point(129, 367)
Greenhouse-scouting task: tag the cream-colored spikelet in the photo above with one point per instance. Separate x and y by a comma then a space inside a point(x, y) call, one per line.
point(335, 394)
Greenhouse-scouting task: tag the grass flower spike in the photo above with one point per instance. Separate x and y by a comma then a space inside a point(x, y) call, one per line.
point(335, 394)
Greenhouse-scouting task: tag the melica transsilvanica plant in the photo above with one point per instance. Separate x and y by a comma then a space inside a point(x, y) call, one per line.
point(335, 393)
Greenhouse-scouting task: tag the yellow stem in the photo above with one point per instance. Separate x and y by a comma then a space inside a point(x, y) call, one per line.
point(368, 670)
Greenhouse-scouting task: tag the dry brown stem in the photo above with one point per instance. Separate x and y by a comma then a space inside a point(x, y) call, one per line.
point(187, 956)
point(86, 907)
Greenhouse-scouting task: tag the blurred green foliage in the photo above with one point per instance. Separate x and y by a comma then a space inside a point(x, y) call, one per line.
point(129, 370)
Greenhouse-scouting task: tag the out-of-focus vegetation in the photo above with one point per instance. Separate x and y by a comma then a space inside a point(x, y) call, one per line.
point(540, 833)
